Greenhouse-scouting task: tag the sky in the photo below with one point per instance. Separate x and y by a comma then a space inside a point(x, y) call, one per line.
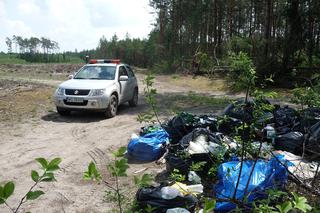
point(74, 24)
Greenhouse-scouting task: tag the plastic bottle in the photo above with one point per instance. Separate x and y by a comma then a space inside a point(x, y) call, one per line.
point(270, 133)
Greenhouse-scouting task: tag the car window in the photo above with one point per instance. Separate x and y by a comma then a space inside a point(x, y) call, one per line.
point(96, 72)
point(130, 72)
point(122, 71)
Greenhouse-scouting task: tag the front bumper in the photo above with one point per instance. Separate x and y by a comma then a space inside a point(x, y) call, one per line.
point(88, 102)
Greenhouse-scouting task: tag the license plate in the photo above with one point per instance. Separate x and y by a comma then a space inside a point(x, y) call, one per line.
point(74, 100)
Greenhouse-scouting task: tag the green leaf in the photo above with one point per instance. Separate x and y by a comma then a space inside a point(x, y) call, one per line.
point(43, 162)
point(121, 167)
point(301, 203)
point(1, 191)
point(34, 176)
point(54, 164)
point(209, 205)
point(285, 207)
point(1, 195)
point(145, 180)
point(32, 195)
point(48, 177)
point(120, 152)
point(8, 190)
point(92, 173)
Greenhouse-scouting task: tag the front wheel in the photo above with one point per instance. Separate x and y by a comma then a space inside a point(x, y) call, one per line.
point(113, 107)
point(134, 101)
point(63, 112)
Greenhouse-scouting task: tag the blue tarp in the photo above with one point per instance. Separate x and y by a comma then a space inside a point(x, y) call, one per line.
point(266, 175)
point(148, 147)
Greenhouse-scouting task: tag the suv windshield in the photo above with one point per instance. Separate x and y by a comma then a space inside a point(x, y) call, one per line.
point(97, 72)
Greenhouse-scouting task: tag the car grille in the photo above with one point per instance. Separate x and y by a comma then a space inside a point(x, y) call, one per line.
point(84, 103)
point(77, 91)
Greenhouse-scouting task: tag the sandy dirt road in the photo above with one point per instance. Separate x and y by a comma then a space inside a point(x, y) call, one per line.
point(76, 139)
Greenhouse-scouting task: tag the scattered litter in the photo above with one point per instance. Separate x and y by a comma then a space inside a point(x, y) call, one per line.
point(300, 168)
point(201, 146)
point(140, 170)
point(188, 189)
point(152, 196)
point(177, 210)
point(193, 177)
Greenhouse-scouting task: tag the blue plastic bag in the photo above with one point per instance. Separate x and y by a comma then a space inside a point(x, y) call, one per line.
point(148, 147)
point(266, 175)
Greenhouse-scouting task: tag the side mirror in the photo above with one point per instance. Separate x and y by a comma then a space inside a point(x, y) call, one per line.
point(70, 77)
point(123, 78)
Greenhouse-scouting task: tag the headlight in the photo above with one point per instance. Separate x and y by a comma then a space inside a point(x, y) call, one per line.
point(98, 92)
point(60, 91)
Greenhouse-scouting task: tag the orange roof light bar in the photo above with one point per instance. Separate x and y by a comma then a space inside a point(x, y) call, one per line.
point(111, 61)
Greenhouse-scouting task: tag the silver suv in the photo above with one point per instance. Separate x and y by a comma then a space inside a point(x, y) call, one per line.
point(101, 85)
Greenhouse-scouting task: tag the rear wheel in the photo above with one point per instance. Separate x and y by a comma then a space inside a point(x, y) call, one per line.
point(113, 107)
point(63, 112)
point(134, 101)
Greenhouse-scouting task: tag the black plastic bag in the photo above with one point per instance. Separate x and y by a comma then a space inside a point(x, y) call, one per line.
point(228, 125)
point(309, 117)
point(240, 111)
point(286, 120)
point(152, 196)
point(291, 142)
point(206, 121)
point(313, 145)
point(179, 126)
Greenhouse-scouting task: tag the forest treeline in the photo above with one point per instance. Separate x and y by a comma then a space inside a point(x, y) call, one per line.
point(281, 36)
point(35, 49)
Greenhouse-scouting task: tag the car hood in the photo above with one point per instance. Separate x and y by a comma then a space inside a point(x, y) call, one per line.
point(86, 84)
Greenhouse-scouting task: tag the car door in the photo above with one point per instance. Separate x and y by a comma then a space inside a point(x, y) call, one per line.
point(124, 85)
point(132, 82)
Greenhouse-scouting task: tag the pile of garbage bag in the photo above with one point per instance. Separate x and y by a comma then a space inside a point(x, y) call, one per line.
point(205, 151)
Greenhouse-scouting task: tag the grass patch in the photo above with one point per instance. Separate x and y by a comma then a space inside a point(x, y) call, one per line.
point(191, 101)
point(7, 59)
point(23, 102)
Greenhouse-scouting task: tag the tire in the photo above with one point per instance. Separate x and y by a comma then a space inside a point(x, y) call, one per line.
point(63, 112)
point(113, 107)
point(134, 101)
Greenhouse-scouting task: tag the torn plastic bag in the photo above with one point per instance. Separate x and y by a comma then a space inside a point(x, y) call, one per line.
point(152, 196)
point(149, 147)
point(181, 158)
point(286, 120)
point(201, 134)
point(291, 142)
point(206, 121)
point(313, 144)
point(266, 175)
point(300, 167)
